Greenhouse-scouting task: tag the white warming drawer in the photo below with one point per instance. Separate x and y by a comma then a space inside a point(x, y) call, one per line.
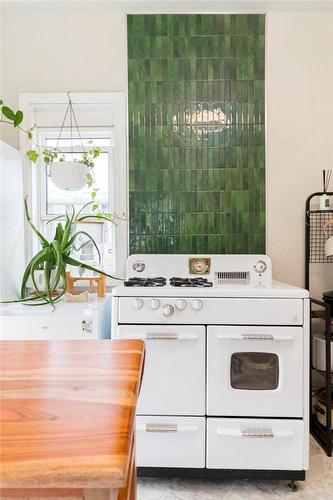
point(170, 441)
point(255, 444)
point(233, 311)
point(174, 376)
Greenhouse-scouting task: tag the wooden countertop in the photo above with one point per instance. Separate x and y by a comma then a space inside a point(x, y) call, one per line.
point(67, 412)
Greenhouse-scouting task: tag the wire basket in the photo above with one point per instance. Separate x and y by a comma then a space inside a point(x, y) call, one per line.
point(317, 220)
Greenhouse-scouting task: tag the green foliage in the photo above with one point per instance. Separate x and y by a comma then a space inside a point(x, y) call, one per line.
point(15, 118)
point(49, 155)
point(55, 255)
point(32, 155)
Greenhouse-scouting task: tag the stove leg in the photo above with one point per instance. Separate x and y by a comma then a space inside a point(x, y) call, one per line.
point(292, 486)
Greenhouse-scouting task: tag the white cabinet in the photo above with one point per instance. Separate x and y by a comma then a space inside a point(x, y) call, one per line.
point(269, 444)
point(174, 375)
point(170, 441)
point(69, 321)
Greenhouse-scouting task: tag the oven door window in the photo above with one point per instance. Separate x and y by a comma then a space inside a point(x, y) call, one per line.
point(257, 371)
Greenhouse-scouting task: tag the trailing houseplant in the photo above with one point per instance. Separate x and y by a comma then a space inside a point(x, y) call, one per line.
point(81, 169)
point(55, 255)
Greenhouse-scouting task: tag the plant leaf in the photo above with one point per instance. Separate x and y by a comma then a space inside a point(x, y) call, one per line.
point(32, 155)
point(96, 217)
point(58, 262)
point(18, 118)
point(67, 231)
point(9, 113)
point(76, 263)
point(72, 240)
point(43, 241)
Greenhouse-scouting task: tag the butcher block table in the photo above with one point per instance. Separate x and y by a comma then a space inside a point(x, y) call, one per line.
point(67, 418)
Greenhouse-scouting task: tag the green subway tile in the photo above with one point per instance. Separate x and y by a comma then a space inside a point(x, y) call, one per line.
point(195, 187)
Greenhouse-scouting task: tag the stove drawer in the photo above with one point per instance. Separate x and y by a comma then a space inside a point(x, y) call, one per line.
point(170, 441)
point(255, 444)
point(174, 375)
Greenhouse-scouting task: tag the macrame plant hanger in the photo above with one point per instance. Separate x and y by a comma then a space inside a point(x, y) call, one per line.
point(69, 175)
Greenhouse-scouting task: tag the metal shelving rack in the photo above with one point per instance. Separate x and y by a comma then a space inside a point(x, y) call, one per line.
point(314, 253)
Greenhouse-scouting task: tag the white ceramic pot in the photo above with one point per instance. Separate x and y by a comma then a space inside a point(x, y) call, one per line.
point(319, 352)
point(68, 175)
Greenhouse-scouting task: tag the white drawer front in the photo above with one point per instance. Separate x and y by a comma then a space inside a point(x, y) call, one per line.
point(255, 371)
point(255, 444)
point(174, 374)
point(170, 441)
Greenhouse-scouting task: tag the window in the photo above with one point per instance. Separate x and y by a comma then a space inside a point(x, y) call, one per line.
point(101, 119)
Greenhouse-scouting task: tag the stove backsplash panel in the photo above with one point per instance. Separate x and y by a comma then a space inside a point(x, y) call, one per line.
point(196, 95)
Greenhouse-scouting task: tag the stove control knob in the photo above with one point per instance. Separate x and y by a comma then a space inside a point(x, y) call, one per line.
point(197, 304)
point(138, 266)
point(260, 267)
point(155, 303)
point(180, 304)
point(137, 303)
point(167, 310)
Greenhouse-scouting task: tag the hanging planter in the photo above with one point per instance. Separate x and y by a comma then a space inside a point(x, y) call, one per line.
point(69, 175)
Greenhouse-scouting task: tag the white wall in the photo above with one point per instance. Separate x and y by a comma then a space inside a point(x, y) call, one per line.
point(299, 80)
point(59, 49)
point(12, 261)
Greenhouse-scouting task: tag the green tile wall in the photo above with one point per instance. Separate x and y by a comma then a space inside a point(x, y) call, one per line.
point(196, 133)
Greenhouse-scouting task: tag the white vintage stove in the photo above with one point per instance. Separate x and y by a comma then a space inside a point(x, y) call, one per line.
point(225, 388)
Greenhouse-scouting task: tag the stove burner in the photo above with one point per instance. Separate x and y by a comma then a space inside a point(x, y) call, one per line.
point(145, 282)
point(190, 282)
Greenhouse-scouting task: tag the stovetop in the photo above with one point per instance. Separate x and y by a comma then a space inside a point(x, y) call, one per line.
point(174, 281)
point(175, 275)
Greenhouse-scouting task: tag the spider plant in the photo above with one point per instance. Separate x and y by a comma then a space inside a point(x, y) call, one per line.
point(55, 255)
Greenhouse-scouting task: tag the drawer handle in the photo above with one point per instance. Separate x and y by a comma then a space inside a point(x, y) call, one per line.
point(251, 432)
point(160, 336)
point(257, 433)
point(162, 428)
point(170, 336)
point(255, 336)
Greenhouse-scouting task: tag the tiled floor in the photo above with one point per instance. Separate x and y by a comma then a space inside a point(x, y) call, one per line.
point(318, 485)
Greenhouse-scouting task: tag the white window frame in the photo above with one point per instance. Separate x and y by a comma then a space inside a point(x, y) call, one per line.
point(116, 101)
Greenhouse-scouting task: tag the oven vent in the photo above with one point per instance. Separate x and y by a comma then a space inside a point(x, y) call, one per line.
point(233, 275)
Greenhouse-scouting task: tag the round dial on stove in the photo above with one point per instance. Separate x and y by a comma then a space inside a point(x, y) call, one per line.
point(197, 304)
point(137, 303)
point(180, 304)
point(260, 267)
point(198, 266)
point(167, 310)
point(155, 303)
point(138, 266)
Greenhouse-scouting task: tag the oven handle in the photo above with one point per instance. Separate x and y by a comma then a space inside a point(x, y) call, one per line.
point(251, 433)
point(255, 336)
point(163, 428)
point(161, 336)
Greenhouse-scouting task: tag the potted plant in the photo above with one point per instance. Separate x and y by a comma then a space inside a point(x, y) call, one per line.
point(54, 257)
point(69, 175)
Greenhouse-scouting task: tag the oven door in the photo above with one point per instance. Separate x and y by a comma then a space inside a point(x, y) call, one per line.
point(174, 374)
point(255, 371)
